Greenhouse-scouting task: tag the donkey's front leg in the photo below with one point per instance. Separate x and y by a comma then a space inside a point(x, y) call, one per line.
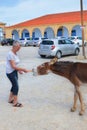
point(75, 101)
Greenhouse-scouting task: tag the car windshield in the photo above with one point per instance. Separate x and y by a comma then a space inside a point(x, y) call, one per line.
point(48, 42)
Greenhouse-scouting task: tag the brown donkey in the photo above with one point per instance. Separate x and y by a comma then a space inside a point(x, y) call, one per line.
point(76, 72)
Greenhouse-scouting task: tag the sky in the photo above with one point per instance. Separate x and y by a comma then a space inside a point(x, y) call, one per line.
point(17, 11)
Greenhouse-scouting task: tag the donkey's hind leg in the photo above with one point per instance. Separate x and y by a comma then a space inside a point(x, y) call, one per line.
point(75, 101)
point(81, 101)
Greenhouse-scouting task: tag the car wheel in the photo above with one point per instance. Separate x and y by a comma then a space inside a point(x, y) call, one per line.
point(43, 56)
point(58, 54)
point(76, 51)
point(78, 43)
point(2, 44)
point(34, 45)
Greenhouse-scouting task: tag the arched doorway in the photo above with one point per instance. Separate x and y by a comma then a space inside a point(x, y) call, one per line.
point(76, 31)
point(15, 35)
point(36, 33)
point(25, 34)
point(62, 31)
point(49, 33)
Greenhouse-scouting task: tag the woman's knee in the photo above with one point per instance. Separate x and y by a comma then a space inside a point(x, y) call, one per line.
point(15, 90)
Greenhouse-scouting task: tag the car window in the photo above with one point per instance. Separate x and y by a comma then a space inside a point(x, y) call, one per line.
point(44, 38)
point(36, 38)
point(21, 38)
point(61, 41)
point(71, 38)
point(67, 41)
point(48, 42)
point(80, 38)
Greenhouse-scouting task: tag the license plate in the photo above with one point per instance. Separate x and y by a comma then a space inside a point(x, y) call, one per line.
point(45, 47)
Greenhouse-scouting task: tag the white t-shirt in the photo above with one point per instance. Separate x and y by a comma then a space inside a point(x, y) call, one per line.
point(11, 56)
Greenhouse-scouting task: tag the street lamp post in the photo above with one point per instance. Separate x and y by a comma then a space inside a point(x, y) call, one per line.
point(4, 35)
point(12, 36)
point(82, 27)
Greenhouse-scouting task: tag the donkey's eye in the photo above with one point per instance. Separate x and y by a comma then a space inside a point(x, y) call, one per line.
point(42, 64)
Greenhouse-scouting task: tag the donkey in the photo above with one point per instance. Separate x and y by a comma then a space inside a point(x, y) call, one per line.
point(76, 72)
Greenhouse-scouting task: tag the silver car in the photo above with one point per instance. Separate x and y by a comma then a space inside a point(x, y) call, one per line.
point(58, 47)
point(37, 41)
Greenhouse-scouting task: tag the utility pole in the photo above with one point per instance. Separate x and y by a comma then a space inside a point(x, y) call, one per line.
point(82, 27)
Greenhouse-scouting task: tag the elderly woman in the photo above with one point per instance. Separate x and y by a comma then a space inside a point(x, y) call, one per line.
point(12, 70)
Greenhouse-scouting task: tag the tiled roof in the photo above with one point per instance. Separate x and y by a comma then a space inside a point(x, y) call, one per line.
point(69, 17)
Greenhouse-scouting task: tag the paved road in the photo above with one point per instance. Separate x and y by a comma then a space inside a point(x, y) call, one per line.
point(47, 99)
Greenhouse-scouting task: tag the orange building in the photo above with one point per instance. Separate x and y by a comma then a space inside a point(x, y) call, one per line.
point(50, 26)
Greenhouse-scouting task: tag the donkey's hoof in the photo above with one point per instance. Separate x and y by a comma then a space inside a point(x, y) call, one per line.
point(73, 109)
point(81, 113)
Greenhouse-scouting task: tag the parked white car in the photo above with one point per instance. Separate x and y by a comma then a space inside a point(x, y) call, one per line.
point(77, 40)
point(24, 41)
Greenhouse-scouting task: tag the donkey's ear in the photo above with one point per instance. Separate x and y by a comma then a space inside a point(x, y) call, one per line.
point(53, 61)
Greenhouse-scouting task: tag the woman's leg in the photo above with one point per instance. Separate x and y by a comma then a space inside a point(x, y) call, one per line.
point(11, 97)
point(13, 77)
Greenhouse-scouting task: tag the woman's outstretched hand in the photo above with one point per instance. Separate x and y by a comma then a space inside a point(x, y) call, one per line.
point(24, 71)
point(27, 71)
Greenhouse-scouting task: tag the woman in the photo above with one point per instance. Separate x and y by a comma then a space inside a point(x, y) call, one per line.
point(12, 73)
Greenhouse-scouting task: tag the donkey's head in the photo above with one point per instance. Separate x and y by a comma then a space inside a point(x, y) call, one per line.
point(44, 68)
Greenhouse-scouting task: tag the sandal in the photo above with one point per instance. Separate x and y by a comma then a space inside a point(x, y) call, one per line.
point(11, 101)
point(18, 105)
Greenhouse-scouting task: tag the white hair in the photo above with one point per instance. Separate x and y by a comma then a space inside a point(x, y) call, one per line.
point(16, 43)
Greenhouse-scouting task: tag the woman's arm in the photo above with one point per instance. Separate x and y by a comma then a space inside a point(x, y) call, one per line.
point(18, 68)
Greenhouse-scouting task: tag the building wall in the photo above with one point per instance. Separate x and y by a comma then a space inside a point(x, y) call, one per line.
point(42, 28)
